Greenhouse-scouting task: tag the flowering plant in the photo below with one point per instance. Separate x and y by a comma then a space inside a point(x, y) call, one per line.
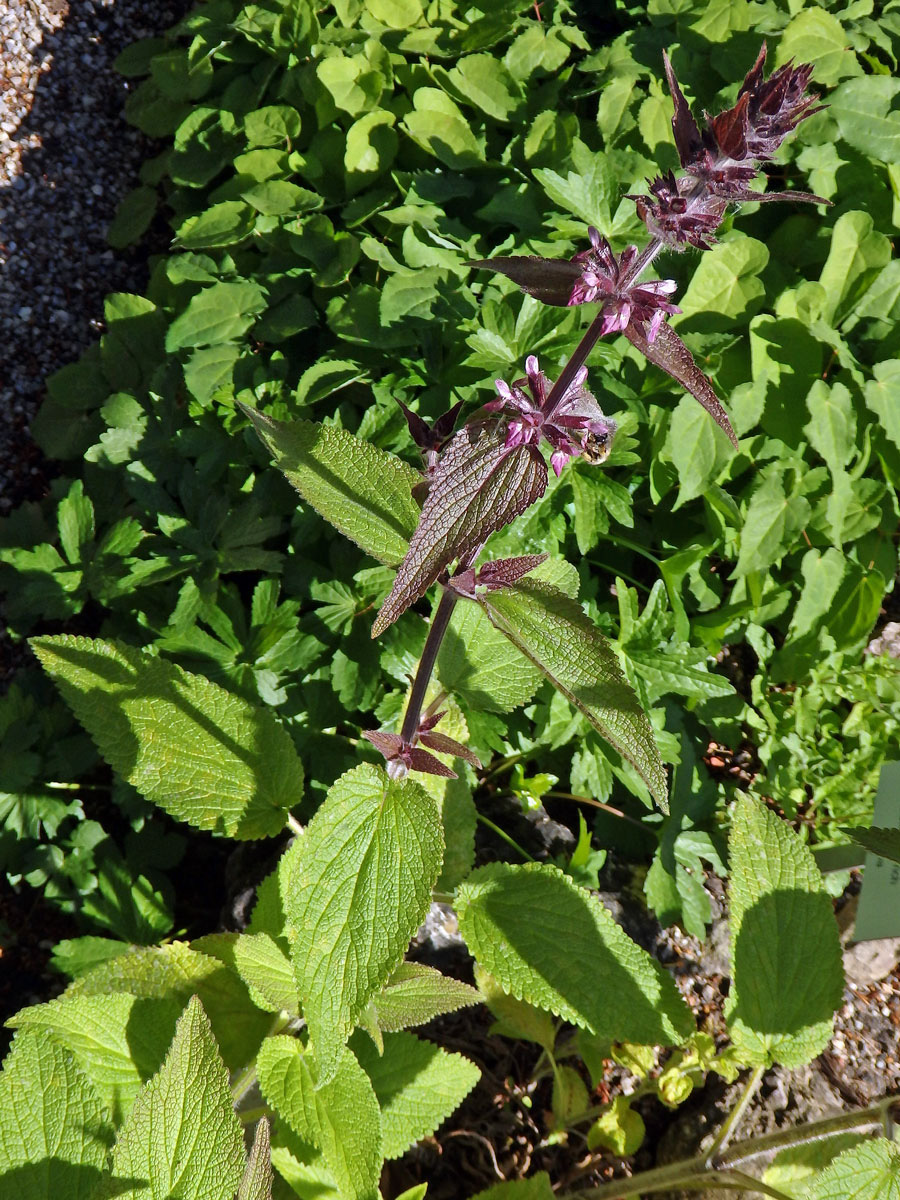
point(482, 477)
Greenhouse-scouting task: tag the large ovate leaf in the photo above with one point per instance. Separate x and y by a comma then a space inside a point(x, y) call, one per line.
point(870, 1171)
point(481, 666)
point(118, 1041)
point(476, 487)
point(204, 755)
point(369, 860)
point(548, 941)
point(340, 1116)
point(786, 955)
point(54, 1135)
point(552, 631)
point(417, 1085)
point(182, 1137)
point(363, 491)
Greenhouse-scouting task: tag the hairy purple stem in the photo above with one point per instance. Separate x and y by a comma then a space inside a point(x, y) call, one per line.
point(567, 374)
point(426, 665)
point(430, 652)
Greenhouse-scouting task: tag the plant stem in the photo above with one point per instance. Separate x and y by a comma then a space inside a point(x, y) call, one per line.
point(864, 1121)
point(582, 350)
point(501, 833)
point(426, 664)
point(708, 1172)
point(615, 812)
point(294, 825)
point(731, 1122)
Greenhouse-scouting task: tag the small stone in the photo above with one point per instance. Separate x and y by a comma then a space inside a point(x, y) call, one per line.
point(25, 313)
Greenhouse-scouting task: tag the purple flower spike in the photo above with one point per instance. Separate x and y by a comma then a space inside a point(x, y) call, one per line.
point(722, 158)
point(604, 278)
point(574, 426)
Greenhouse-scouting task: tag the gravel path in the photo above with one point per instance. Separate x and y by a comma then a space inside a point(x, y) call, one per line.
point(66, 159)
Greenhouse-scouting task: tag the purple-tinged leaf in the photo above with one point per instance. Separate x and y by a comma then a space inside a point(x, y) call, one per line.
point(685, 129)
point(549, 280)
point(421, 760)
point(553, 633)
point(670, 354)
point(402, 758)
point(477, 486)
point(449, 745)
point(504, 572)
point(388, 744)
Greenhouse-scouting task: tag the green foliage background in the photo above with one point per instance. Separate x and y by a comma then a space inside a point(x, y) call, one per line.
point(326, 174)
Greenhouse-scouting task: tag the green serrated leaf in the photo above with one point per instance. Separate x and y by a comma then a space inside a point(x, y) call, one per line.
point(604, 982)
point(204, 755)
point(363, 491)
point(415, 994)
point(786, 954)
point(54, 1135)
point(178, 971)
point(417, 1085)
point(878, 840)
point(267, 972)
point(257, 1181)
point(339, 1116)
point(870, 1171)
point(368, 862)
point(118, 1041)
point(182, 1136)
point(553, 632)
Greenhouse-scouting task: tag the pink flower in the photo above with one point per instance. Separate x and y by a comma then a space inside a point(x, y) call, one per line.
point(574, 426)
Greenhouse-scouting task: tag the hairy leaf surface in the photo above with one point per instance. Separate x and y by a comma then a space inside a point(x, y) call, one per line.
point(54, 1132)
point(340, 1116)
point(516, 919)
point(182, 1136)
point(553, 632)
point(363, 491)
point(205, 755)
point(476, 487)
point(786, 954)
point(369, 860)
point(418, 1086)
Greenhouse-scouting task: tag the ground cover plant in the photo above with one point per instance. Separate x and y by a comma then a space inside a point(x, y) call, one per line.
point(331, 178)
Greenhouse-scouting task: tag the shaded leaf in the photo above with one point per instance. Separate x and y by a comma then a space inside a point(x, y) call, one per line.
point(552, 631)
point(786, 953)
point(604, 982)
point(363, 491)
point(182, 1136)
point(54, 1134)
point(204, 755)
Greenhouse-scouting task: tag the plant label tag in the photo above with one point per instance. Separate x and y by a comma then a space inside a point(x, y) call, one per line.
point(878, 913)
